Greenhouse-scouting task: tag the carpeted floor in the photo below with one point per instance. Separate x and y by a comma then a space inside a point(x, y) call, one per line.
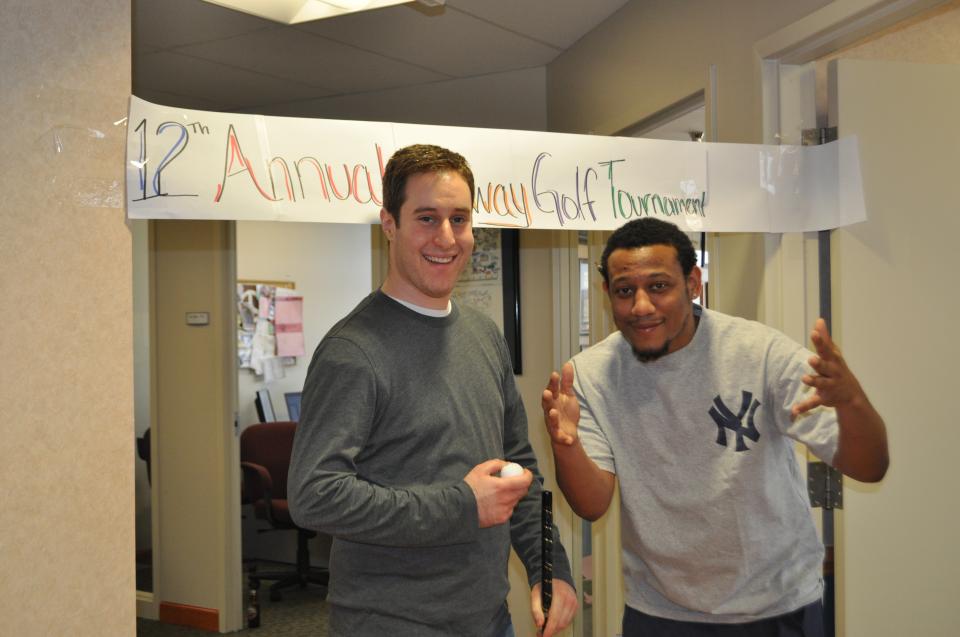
point(301, 612)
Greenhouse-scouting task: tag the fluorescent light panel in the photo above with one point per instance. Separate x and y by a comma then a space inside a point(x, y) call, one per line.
point(294, 11)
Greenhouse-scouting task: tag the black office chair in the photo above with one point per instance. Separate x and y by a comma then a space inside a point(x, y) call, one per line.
point(143, 450)
point(144, 556)
point(265, 451)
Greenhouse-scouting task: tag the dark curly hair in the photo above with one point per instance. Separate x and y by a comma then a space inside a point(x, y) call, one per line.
point(649, 232)
point(416, 159)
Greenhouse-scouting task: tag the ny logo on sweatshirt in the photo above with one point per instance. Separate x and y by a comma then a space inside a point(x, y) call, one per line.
point(725, 419)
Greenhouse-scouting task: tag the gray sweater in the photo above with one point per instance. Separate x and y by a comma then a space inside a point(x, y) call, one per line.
point(397, 408)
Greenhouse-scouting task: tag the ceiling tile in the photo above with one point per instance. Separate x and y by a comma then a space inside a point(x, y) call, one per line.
point(224, 85)
point(167, 23)
point(559, 24)
point(240, 61)
point(310, 59)
point(450, 42)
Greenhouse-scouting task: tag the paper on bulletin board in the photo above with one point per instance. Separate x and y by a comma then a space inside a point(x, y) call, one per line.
point(481, 283)
point(288, 320)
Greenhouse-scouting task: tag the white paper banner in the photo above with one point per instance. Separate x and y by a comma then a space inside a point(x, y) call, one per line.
point(188, 164)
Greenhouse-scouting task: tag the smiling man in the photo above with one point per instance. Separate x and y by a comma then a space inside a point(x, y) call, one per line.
point(409, 411)
point(694, 413)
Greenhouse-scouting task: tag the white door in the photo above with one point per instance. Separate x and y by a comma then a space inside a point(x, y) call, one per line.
point(895, 313)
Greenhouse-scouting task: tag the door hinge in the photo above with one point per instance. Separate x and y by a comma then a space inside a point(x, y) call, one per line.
point(825, 485)
point(817, 136)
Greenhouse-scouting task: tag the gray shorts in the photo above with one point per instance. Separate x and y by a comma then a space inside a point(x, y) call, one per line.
point(803, 622)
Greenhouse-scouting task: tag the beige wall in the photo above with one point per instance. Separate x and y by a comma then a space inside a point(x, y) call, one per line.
point(932, 37)
point(903, 530)
point(652, 54)
point(195, 468)
point(537, 334)
point(139, 231)
point(66, 460)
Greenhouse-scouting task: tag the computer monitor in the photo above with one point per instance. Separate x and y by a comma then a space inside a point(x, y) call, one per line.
point(264, 406)
point(293, 405)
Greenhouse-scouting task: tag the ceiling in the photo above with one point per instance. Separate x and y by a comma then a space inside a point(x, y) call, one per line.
point(193, 54)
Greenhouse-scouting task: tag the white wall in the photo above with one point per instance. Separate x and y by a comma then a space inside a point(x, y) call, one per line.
point(330, 265)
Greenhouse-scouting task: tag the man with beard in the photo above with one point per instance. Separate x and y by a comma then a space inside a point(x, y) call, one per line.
point(695, 413)
point(409, 411)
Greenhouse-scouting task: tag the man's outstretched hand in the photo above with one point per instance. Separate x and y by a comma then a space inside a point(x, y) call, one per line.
point(561, 412)
point(833, 383)
point(862, 451)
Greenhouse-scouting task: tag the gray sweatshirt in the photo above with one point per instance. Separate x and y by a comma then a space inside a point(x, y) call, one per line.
point(397, 408)
point(715, 519)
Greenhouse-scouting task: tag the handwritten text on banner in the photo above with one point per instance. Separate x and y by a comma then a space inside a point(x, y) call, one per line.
point(188, 164)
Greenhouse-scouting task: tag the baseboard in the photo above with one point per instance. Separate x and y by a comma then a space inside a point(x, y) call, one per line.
point(193, 616)
point(146, 607)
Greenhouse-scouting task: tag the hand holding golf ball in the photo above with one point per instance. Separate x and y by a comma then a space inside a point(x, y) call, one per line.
point(510, 470)
point(497, 487)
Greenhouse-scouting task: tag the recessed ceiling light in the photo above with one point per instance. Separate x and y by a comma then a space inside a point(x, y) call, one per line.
point(294, 11)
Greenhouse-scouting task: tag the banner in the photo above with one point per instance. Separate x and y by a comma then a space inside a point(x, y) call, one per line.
point(189, 164)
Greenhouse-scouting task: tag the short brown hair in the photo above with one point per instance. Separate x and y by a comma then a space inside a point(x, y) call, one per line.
point(416, 159)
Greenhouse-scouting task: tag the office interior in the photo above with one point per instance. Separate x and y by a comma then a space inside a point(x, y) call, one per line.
point(68, 528)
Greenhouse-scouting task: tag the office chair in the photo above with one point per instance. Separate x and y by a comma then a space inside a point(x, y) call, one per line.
point(265, 451)
point(144, 556)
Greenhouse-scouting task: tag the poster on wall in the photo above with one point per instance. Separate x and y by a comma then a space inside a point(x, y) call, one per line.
point(481, 282)
point(490, 284)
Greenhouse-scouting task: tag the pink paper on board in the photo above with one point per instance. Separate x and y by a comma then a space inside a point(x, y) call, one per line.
point(288, 322)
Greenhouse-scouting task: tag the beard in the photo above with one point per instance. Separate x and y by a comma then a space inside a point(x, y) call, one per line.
point(648, 355)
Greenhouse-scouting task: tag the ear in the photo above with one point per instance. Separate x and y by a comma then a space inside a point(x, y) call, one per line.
point(387, 224)
point(694, 285)
point(606, 287)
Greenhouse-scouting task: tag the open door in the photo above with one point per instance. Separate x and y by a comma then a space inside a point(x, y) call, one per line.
point(894, 312)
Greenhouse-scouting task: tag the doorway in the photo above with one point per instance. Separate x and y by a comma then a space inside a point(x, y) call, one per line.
point(186, 267)
point(602, 605)
point(885, 537)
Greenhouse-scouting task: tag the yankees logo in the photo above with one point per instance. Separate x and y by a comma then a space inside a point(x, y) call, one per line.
point(725, 419)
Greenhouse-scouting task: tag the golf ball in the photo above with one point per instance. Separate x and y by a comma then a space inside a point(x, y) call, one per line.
point(511, 469)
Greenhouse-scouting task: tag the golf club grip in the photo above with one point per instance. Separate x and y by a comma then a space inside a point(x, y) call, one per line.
point(546, 551)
